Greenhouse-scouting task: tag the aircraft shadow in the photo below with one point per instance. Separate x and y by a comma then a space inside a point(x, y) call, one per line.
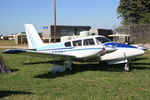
point(33, 63)
point(44, 62)
point(93, 67)
point(5, 93)
point(10, 71)
point(138, 59)
point(140, 66)
point(77, 68)
point(14, 70)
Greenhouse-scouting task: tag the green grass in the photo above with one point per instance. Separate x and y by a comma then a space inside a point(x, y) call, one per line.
point(31, 79)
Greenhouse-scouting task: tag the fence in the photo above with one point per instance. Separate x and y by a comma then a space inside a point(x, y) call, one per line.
point(140, 33)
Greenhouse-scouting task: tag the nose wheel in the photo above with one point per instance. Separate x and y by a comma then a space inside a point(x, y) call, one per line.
point(126, 67)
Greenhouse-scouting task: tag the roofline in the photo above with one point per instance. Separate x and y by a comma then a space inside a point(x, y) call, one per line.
point(68, 26)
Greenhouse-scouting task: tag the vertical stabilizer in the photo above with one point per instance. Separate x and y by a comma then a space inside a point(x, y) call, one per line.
point(34, 40)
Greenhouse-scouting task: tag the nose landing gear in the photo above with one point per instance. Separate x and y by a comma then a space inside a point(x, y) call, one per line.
point(126, 67)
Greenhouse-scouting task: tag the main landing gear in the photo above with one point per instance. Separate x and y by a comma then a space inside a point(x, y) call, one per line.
point(61, 68)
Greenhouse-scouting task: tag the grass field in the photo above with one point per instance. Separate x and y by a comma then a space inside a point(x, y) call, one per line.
point(7, 42)
point(31, 79)
point(10, 43)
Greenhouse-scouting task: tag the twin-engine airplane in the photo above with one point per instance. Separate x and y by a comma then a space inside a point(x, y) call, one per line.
point(91, 48)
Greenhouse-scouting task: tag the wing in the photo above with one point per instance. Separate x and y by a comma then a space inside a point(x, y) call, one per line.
point(35, 53)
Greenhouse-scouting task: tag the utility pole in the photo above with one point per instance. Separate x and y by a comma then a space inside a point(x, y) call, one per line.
point(54, 20)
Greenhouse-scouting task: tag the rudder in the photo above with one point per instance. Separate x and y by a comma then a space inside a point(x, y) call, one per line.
point(34, 40)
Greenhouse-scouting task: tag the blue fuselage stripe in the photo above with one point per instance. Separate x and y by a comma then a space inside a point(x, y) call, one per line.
point(70, 49)
point(119, 45)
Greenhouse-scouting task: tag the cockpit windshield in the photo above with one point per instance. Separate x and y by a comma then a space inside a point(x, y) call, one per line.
point(103, 39)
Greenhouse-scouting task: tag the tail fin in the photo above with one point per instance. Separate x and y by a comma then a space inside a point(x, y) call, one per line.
point(34, 40)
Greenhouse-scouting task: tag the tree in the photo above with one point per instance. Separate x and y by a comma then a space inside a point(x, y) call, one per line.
point(134, 11)
point(3, 67)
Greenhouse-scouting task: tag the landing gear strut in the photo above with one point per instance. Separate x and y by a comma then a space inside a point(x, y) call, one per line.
point(126, 67)
point(69, 64)
point(61, 67)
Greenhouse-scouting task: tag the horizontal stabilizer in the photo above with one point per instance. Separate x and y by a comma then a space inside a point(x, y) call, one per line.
point(13, 51)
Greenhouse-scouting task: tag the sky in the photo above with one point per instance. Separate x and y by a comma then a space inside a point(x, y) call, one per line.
point(95, 13)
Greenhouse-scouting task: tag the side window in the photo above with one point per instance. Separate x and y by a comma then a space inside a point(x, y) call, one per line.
point(77, 43)
point(88, 42)
point(68, 44)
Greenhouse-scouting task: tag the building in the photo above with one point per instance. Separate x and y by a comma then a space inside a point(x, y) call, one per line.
point(9, 37)
point(21, 38)
point(62, 30)
point(104, 32)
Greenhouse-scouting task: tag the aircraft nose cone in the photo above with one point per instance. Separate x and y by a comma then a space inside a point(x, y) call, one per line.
point(142, 51)
point(139, 52)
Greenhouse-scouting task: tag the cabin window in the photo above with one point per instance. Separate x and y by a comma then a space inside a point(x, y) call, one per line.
point(77, 43)
point(88, 42)
point(68, 44)
point(103, 39)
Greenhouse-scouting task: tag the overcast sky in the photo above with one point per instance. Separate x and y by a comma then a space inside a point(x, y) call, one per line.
point(96, 13)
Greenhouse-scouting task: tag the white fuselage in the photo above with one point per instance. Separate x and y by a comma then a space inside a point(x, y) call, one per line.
point(93, 51)
point(79, 48)
point(90, 47)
